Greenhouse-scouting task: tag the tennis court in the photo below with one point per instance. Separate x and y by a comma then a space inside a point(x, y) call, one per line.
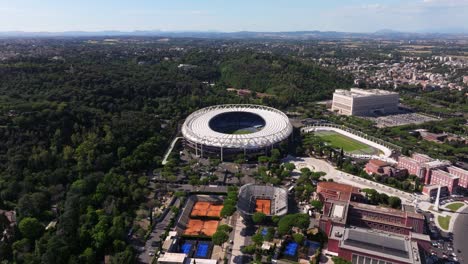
point(200, 227)
point(291, 249)
point(186, 248)
point(202, 250)
point(263, 206)
point(206, 209)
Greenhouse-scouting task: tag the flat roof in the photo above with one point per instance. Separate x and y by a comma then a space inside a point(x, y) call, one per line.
point(384, 210)
point(377, 243)
point(173, 257)
point(200, 261)
point(338, 210)
point(357, 92)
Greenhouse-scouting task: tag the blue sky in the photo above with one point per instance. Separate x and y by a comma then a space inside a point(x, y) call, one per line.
point(233, 15)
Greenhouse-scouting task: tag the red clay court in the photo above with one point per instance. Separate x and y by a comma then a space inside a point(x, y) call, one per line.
point(206, 209)
point(263, 206)
point(200, 227)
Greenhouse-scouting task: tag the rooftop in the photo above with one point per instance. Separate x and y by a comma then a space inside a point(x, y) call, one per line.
point(379, 163)
point(377, 243)
point(357, 92)
point(384, 210)
point(446, 174)
point(173, 257)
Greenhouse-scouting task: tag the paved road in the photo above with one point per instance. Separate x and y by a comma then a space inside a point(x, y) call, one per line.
point(169, 150)
point(342, 177)
point(158, 230)
point(459, 236)
point(240, 239)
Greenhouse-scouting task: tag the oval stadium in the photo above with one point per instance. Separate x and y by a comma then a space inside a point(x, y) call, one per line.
point(227, 130)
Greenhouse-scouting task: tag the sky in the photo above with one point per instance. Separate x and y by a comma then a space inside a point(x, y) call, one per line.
point(234, 15)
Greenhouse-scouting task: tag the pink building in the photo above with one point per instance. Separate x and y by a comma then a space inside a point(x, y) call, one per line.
point(421, 165)
point(443, 178)
point(461, 173)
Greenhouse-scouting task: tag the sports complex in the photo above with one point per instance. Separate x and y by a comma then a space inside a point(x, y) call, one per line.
point(227, 130)
point(268, 200)
point(352, 144)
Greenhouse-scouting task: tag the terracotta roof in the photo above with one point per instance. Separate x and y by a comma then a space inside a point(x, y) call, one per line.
point(338, 187)
point(377, 162)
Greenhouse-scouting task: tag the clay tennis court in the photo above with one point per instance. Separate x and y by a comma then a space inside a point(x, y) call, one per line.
point(206, 209)
point(263, 206)
point(200, 227)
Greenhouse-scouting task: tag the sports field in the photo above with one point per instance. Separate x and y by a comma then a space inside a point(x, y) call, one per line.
point(349, 145)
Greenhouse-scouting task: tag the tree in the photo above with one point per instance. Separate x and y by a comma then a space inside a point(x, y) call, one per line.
point(394, 202)
point(257, 239)
point(317, 204)
point(298, 238)
point(338, 260)
point(258, 217)
point(249, 249)
point(263, 159)
point(289, 166)
point(31, 228)
point(219, 237)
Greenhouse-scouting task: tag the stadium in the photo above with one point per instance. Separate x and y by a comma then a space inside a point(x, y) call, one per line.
point(227, 130)
point(261, 198)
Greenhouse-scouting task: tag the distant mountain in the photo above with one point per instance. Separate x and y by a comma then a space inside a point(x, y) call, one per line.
point(298, 35)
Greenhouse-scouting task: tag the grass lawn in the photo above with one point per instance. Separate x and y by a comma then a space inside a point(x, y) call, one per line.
point(454, 206)
point(444, 221)
point(349, 145)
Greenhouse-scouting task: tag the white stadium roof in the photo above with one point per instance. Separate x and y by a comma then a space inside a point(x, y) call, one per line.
point(277, 127)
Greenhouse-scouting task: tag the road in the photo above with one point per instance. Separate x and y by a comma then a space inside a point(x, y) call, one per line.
point(169, 150)
point(158, 230)
point(342, 177)
point(239, 236)
point(459, 236)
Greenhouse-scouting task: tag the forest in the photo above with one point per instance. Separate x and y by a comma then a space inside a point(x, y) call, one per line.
point(80, 130)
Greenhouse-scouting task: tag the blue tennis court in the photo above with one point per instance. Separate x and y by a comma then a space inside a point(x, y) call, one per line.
point(202, 250)
point(312, 244)
point(186, 248)
point(290, 249)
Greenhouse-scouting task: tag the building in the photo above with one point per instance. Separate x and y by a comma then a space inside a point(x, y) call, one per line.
point(443, 178)
point(383, 168)
point(461, 173)
point(431, 190)
point(386, 219)
point(268, 200)
point(364, 102)
point(225, 131)
point(337, 191)
point(360, 245)
point(421, 165)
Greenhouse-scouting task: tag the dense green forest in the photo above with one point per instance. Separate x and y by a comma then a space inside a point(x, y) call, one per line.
point(291, 79)
point(79, 134)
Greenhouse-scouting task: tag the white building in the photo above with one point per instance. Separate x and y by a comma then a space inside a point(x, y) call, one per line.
point(364, 102)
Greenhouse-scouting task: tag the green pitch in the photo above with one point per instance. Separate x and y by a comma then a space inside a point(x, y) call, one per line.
point(349, 145)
